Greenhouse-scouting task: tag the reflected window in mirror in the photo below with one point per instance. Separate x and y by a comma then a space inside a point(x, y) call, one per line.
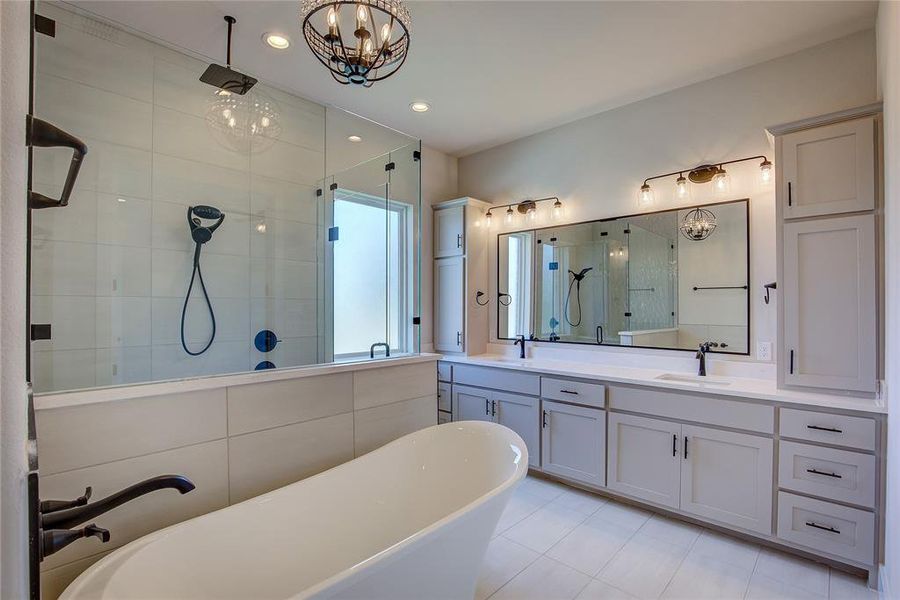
point(514, 284)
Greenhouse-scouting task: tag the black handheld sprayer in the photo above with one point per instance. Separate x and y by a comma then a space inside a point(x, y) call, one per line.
point(201, 234)
point(576, 281)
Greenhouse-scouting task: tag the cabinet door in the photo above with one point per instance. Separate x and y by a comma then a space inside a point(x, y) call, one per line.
point(449, 308)
point(727, 477)
point(444, 396)
point(471, 404)
point(829, 300)
point(521, 414)
point(829, 169)
point(645, 458)
point(573, 442)
point(449, 232)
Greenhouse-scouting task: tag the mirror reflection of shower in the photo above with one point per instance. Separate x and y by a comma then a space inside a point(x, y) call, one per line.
point(576, 282)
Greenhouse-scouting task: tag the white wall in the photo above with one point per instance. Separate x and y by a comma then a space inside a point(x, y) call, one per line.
point(14, 27)
point(889, 87)
point(596, 165)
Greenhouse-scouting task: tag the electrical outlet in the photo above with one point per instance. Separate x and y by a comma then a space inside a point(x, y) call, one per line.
point(764, 351)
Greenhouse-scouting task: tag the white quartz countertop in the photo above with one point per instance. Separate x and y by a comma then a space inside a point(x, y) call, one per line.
point(124, 392)
point(740, 387)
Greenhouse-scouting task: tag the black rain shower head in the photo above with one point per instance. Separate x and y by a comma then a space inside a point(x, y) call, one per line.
point(225, 78)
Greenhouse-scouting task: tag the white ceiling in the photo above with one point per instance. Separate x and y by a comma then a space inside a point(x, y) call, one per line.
point(497, 71)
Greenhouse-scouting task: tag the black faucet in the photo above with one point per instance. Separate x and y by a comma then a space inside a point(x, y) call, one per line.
point(57, 518)
point(701, 354)
point(520, 339)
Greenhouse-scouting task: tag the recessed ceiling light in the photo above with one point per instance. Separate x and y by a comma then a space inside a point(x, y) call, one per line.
point(419, 106)
point(354, 138)
point(277, 40)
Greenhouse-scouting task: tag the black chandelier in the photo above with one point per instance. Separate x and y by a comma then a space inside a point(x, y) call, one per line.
point(374, 48)
point(698, 224)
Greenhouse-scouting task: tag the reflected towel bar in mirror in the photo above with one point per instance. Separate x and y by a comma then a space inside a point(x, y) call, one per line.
point(722, 287)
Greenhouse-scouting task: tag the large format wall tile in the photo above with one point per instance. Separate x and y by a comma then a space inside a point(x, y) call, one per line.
point(289, 163)
point(123, 221)
point(286, 239)
point(206, 465)
point(292, 352)
point(77, 223)
point(171, 362)
point(123, 271)
point(266, 405)
point(186, 136)
point(172, 232)
point(73, 321)
point(189, 182)
point(232, 320)
point(280, 278)
point(377, 426)
point(79, 436)
point(63, 268)
point(287, 318)
point(62, 370)
point(118, 366)
point(225, 276)
point(266, 460)
point(275, 199)
point(55, 581)
point(122, 322)
point(374, 387)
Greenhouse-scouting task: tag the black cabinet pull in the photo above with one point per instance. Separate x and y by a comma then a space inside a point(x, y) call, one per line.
point(674, 444)
point(791, 368)
point(459, 240)
point(822, 527)
point(458, 338)
point(817, 472)
point(685, 446)
point(819, 428)
point(790, 199)
point(568, 392)
point(544, 418)
point(487, 410)
point(493, 408)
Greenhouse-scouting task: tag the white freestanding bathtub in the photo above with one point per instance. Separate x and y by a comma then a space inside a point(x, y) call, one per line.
point(409, 520)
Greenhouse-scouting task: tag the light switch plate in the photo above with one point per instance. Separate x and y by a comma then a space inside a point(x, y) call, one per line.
point(764, 351)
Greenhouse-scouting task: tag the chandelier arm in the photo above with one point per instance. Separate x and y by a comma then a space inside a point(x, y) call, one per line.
point(394, 70)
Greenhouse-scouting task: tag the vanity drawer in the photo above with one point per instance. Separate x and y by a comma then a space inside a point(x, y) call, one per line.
point(444, 371)
point(590, 394)
point(711, 410)
point(828, 472)
point(826, 527)
point(498, 379)
point(444, 397)
point(840, 430)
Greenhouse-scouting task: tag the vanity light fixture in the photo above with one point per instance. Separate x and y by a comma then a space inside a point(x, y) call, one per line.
point(528, 208)
point(715, 173)
point(488, 218)
point(371, 47)
point(277, 40)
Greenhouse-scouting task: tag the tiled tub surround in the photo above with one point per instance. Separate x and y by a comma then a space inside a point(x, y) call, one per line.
point(802, 471)
point(235, 438)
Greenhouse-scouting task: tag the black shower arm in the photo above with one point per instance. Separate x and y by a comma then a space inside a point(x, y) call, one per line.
point(44, 135)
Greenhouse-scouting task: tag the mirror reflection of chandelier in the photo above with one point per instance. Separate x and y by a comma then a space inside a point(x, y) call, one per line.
point(244, 123)
point(698, 224)
point(359, 41)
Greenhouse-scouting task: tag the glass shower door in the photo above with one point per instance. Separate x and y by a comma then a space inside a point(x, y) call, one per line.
point(403, 227)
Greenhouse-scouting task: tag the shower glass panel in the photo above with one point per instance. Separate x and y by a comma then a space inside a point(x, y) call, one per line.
point(110, 272)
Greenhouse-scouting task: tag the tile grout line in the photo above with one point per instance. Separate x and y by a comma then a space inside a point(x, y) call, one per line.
point(680, 563)
point(752, 573)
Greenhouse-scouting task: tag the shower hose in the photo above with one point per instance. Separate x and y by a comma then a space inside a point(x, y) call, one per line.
point(577, 283)
point(197, 274)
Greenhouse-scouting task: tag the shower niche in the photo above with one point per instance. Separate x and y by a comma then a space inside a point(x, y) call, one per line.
point(671, 279)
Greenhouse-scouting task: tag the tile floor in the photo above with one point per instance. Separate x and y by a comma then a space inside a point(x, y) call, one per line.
point(555, 542)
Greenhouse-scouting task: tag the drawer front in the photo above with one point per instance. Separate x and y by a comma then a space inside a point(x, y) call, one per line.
point(702, 409)
point(826, 527)
point(498, 379)
point(591, 394)
point(443, 397)
point(827, 472)
point(840, 430)
point(445, 371)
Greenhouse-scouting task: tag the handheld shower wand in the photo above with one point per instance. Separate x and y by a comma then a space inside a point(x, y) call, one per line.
point(201, 234)
point(576, 281)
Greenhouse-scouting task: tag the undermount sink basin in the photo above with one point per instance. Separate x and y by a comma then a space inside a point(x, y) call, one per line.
point(695, 379)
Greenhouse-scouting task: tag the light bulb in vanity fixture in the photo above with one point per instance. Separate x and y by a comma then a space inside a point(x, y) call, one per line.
point(509, 216)
point(765, 171)
point(646, 195)
point(531, 214)
point(682, 191)
point(721, 181)
point(557, 211)
point(488, 218)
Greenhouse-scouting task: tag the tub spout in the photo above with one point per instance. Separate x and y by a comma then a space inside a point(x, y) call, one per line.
point(68, 518)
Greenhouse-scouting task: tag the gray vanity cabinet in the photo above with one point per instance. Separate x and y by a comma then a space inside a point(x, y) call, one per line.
point(829, 169)
point(472, 404)
point(830, 303)
point(644, 458)
point(573, 442)
point(449, 231)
